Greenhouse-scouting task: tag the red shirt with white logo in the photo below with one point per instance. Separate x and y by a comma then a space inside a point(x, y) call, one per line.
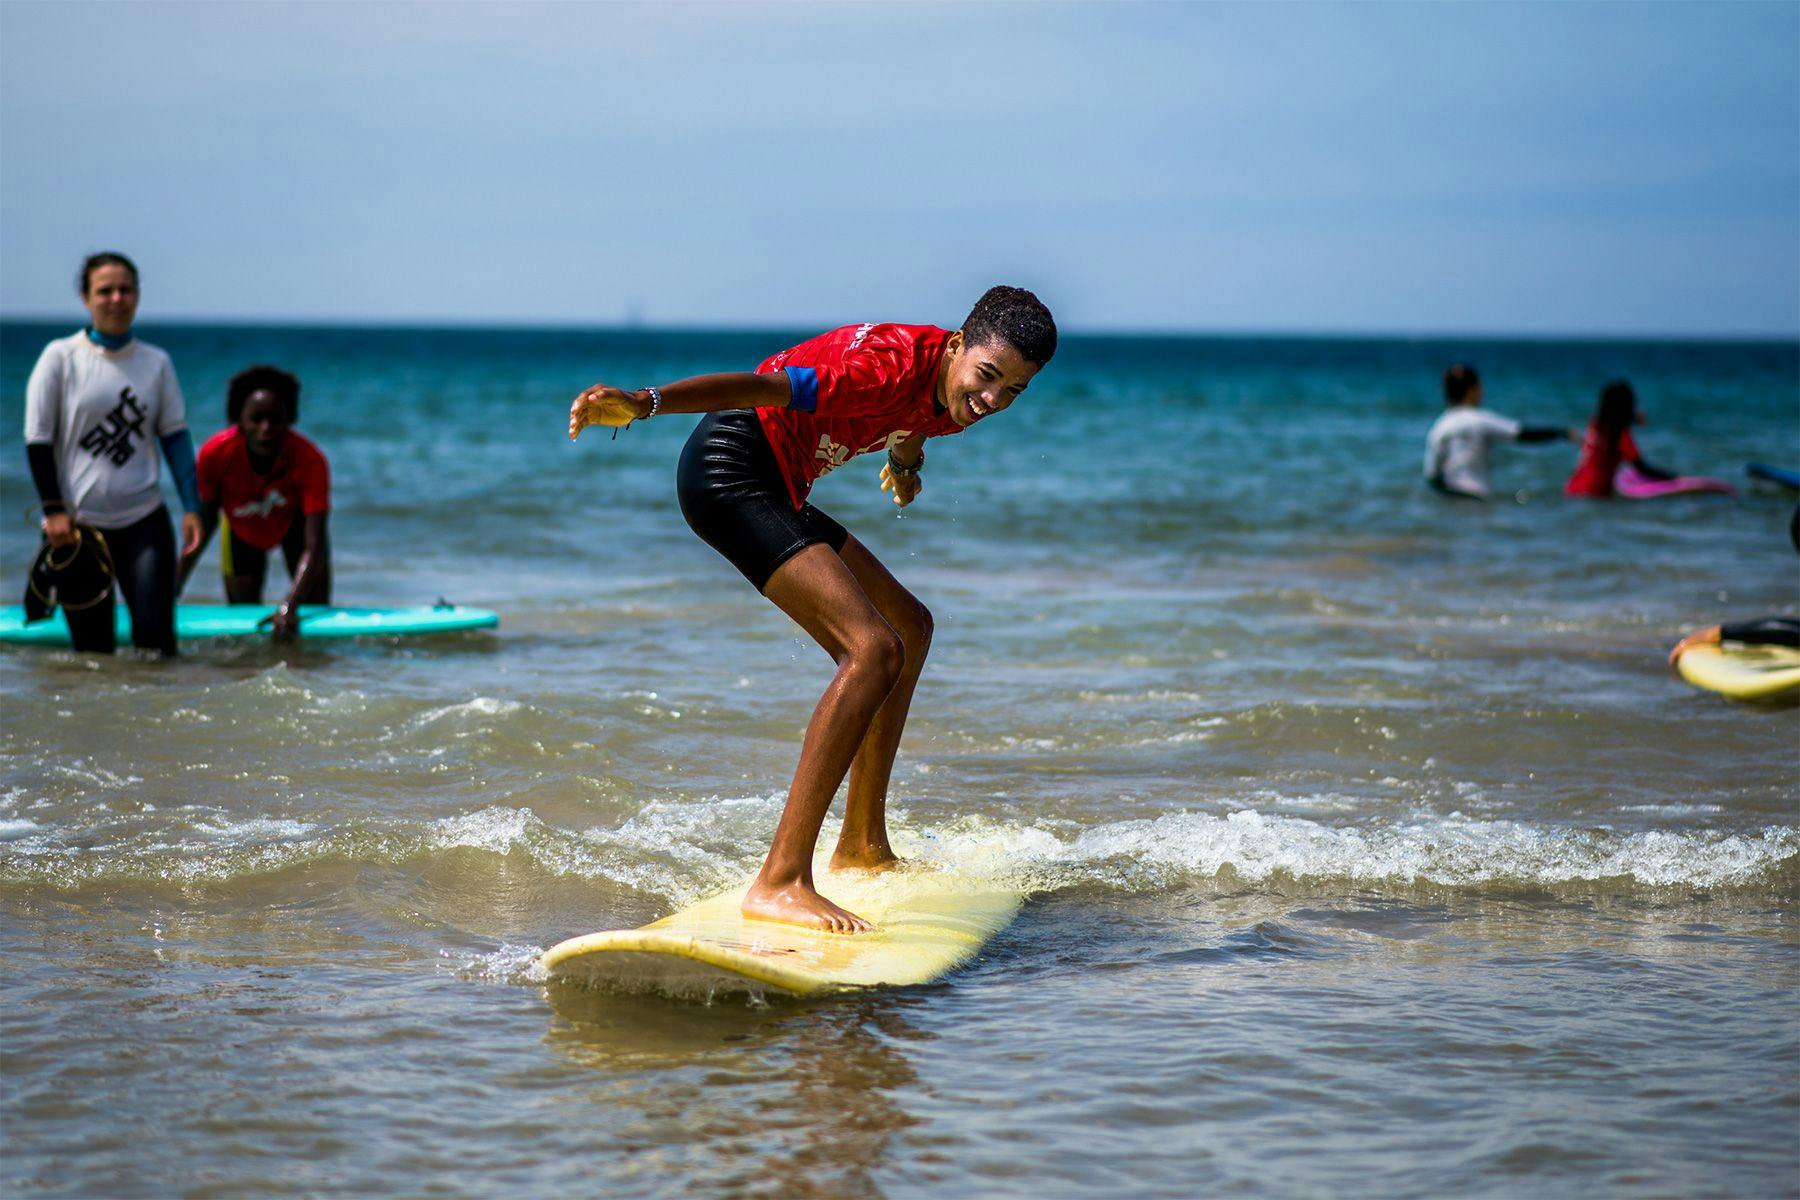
point(263, 507)
point(1599, 461)
point(855, 390)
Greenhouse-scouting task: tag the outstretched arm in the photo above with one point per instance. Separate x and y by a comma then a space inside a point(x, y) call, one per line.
point(1548, 433)
point(603, 405)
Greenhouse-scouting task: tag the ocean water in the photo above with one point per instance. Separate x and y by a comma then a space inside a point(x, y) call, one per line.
point(1373, 850)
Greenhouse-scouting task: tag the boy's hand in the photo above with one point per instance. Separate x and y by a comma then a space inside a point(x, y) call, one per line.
point(1704, 637)
point(285, 624)
point(602, 405)
point(905, 487)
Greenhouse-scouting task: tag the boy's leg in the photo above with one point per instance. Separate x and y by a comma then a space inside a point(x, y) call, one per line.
point(864, 841)
point(820, 593)
point(244, 567)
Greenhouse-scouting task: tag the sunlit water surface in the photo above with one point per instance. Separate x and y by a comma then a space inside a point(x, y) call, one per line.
point(1372, 848)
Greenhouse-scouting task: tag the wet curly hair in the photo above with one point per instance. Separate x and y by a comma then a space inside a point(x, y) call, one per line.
point(1015, 316)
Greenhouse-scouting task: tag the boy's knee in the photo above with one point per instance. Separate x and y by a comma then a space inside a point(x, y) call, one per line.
point(916, 630)
point(880, 651)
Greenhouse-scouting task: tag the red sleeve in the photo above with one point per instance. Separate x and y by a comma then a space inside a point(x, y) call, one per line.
point(868, 377)
point(315, 484)
point(1628, 451)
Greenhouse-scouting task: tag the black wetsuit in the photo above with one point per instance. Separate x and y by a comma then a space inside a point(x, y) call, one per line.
point(143, 557)
point(1765, 631)
point(733, 495)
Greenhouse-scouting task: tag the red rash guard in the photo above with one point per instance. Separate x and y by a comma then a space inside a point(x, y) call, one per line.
point(1599, 462)
point(262, 507)
point(855, 389)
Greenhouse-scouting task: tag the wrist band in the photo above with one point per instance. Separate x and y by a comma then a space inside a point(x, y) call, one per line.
point(655, 402)
point(900, 468)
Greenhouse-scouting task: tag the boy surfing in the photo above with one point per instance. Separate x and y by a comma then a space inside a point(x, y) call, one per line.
point(743, 482)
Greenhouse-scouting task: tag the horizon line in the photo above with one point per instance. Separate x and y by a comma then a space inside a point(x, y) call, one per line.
point(521, 324)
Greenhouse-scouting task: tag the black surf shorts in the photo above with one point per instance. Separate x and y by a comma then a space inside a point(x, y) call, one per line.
point(734, 497)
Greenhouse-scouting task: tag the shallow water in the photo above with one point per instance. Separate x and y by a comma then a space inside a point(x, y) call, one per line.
point(1373, 850)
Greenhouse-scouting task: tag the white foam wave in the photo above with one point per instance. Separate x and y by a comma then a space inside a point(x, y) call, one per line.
point(511, 963)
point(680, 849)
point(1452, 851)
point(254, 831)
point(468, 712)
point(1153, 695)
point(11, 830)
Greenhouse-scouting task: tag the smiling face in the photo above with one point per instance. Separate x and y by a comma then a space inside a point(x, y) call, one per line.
point(112, 299)
point(264, 423)
point(978, 381)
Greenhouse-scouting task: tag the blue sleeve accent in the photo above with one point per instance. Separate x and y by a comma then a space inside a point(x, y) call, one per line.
point(178, 448)
point(804, 383)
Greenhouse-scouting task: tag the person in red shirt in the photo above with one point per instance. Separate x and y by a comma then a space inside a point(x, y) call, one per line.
point(743, 482)
point(1609, 444)
point(273, 486)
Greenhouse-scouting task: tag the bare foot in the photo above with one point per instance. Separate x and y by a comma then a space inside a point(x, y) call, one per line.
point(864, 858)
point(798, 904)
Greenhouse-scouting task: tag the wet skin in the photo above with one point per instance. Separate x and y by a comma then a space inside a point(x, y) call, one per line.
point(879, 634)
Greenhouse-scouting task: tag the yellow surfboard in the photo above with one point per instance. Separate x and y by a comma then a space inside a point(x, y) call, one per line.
point(928, 920)
point(1743, 672)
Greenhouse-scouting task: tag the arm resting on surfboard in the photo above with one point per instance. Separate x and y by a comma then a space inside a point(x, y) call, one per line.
point(1765, 631)
point(313, 560)
point(1649, 472)
point(603, 405)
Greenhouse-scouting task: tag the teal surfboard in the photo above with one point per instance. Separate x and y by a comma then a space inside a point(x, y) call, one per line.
point(245, 620)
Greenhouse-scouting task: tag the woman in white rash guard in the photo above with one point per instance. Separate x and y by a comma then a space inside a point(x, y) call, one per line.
point(98, 405)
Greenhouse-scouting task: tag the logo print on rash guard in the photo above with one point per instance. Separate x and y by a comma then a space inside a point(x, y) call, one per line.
point(263, 507)
point(835, 455)
point(112, 437)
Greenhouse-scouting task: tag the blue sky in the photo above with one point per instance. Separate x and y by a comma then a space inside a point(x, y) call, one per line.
point(1559, 169)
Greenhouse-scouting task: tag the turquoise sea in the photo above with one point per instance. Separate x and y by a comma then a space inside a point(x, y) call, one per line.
point(1373, 848)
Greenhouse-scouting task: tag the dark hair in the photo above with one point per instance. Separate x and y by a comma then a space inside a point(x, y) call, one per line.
point(1015, 316)
point(1459, 381)
point(1618, 407)
point(262, 378)
point(106, 258)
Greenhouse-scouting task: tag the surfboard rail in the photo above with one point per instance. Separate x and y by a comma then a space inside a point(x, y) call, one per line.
point(193, 621)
